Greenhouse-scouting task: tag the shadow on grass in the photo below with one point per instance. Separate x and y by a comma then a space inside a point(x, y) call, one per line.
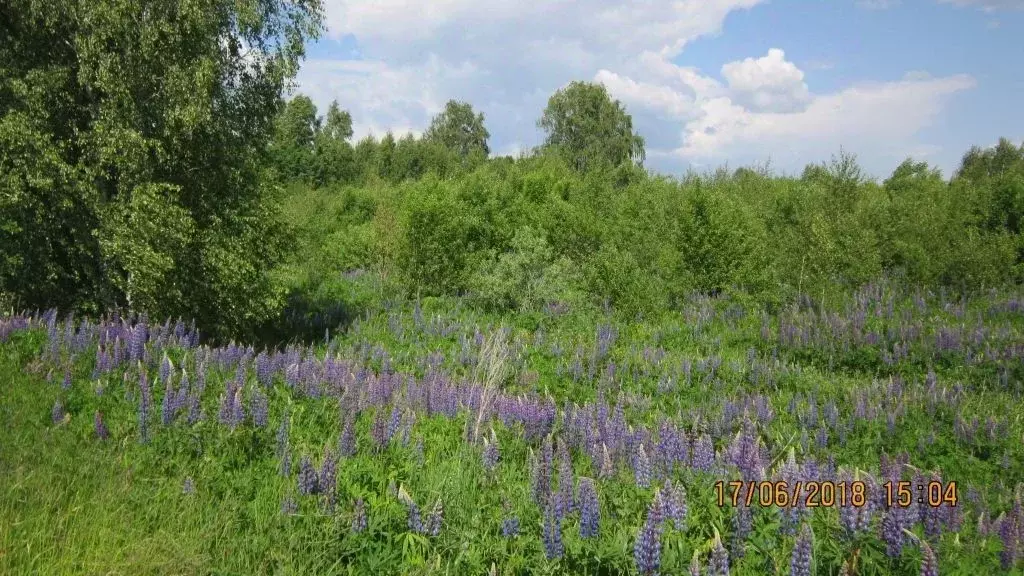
point(306, 319)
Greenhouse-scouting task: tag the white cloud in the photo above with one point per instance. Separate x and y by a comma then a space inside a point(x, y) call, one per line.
point(877, 4)
point(880, 120)
point(988, 5)
point(506, 57)
point(768, 83)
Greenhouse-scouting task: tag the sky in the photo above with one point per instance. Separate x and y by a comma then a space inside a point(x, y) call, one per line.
point(709, 83)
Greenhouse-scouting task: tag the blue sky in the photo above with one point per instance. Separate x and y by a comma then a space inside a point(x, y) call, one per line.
point(708, 82)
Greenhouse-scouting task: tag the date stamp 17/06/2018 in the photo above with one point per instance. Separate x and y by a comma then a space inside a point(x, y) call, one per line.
point(812, 494)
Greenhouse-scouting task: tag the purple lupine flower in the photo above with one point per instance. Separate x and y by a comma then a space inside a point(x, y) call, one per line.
point(359, 516)
point(510, 527)
point(165, 369)
point(414, 522)
point(181, 399)
point(553, 546)
point(703, 453)
point(57, 413)
point(647, 549)
point(719, 562)
point(99, 426)
point(695, 564)
point(307, 477)
point(800, 563)
point(742, 525)
point(675, 504)
point(264, 369)
point(590, 509)
point(258, 407)
point(641, 467)
point(607, 469)
point(326, 479)
point(237, 411)
point(66, 383)
point(188, 486)
point(167, 406)
point(379, 431)
point(145, 398)
point(347, 442)
point(1009, 535)
point(491, 453)
point(929, 563)
point(435, 519)
point(892, 534)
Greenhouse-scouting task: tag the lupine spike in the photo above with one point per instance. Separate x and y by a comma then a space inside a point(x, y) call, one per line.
point(590, 509)
point(553, 546)
point(800, 563)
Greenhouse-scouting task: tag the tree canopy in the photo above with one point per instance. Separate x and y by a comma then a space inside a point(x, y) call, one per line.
point(587, 127)
point(460, 130)
point(132, 147)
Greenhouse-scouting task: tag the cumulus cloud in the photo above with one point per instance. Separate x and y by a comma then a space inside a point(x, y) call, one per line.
point(507, 57)
point(769, 83)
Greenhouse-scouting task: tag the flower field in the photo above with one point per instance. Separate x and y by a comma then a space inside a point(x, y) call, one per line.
point(431, 439)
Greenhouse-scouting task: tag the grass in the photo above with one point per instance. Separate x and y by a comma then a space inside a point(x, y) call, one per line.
point(71, 503)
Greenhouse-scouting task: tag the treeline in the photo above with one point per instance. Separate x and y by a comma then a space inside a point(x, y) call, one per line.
point(579, 222)
point(143, 156)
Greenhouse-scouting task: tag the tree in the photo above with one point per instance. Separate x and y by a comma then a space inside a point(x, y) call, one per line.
point(296, 130)
point(338, 123)
point(460, 130)
point(133, 138)
point(335, 157)
point(587, 128)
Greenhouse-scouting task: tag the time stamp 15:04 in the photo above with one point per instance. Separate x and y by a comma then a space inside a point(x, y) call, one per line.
point(813, 494)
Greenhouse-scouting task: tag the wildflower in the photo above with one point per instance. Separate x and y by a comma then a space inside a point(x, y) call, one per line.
point(929, 564)
point(892, 534)
point(99, 426)
point(642, 467)
point(258, 407)
point(308, 483)
point(188, 486)
point(675, 504)
point(719, 565)
point(414, 522)
point(491, 453)
point(347, 443)
point(800, 564)
point(553, 546)
point(590, 509)
point(359, 516)
point(647, 550)
point(145, 398)
point(326, 478)
point(607, 469)
point(510, 527)
point(435, 519)
point(167, 406)
point(703, 453)
point(58, 413)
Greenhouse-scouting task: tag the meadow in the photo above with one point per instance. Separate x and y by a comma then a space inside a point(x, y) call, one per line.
point(235, 341)
point(432, 438)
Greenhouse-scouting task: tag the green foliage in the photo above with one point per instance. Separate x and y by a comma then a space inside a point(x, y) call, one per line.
point(526, 277)
point(130, 144)
point(458, 129)
point(589, 129)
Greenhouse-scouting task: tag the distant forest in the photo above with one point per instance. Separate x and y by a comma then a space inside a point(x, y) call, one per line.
point(161, 169)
